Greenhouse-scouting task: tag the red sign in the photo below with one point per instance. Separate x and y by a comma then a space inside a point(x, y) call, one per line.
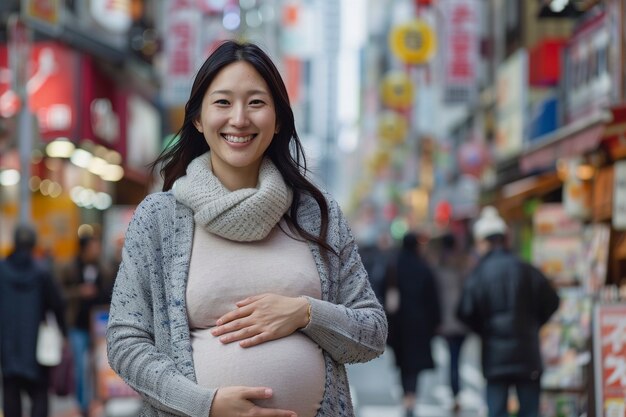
point(51, 88)
point(103, 107)
point(545, 63)
point(610, 360)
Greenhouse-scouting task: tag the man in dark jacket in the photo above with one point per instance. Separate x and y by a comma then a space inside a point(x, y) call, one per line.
point(506, 300)
point(27, 291)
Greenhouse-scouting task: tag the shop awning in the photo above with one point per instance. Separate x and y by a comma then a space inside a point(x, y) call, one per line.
point(575, 139)
point(511, 197)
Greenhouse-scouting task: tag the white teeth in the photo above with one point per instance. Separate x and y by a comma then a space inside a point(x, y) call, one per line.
point(238, 139)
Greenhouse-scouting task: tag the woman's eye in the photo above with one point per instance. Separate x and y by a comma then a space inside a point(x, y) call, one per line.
point(222, 102)
point(257, 102)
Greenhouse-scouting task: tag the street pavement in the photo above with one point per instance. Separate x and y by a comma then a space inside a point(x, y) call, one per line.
point(377, 391)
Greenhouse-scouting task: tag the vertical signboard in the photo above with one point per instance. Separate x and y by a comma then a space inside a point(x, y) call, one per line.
point(610, 360)
point(461, 40)
point(182, 22)
point(587, 79)
point(511, 103)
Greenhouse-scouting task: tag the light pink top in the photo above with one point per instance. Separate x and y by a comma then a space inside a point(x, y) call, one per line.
point(223, 272)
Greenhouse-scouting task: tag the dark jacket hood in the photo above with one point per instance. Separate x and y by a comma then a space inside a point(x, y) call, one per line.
point(19, 272)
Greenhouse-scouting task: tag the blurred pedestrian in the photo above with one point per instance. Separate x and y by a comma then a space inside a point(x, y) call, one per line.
point(84, 282)
point(506, 300)
point(375, 255)
point(417, 318)
point(450, 271)
point(27, 293)
point(241, 291)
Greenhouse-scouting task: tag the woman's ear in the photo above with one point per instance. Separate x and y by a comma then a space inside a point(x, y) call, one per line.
point(198, 125)
point(277, 128)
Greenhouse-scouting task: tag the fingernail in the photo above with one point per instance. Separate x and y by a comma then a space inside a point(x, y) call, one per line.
point(268, 392)
point(219, 322)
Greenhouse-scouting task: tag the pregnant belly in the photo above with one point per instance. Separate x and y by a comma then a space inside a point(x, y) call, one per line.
point(292, 366)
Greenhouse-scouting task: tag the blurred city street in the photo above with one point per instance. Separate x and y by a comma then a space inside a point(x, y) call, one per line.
point(377, 391)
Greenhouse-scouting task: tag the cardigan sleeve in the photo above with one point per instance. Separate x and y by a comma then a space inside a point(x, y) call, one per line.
point(131, 348)
point(353, 327)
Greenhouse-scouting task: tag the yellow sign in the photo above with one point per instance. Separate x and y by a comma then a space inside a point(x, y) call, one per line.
point(379, 161)
point(392, 128)
point(414, 42)
point(397, 90)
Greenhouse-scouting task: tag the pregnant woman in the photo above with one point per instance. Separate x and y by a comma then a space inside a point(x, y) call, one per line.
point(241, 292)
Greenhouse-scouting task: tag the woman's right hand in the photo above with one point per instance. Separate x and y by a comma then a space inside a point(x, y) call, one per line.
point(237, 401)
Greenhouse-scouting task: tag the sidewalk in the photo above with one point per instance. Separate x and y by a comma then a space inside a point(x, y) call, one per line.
point(377, 392)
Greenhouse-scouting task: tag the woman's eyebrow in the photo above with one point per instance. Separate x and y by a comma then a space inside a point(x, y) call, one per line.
point(230, 92)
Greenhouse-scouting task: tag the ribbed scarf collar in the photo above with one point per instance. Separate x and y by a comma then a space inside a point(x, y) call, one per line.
point(243, 215)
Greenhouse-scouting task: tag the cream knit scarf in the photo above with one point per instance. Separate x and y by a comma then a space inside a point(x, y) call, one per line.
point(243, 215)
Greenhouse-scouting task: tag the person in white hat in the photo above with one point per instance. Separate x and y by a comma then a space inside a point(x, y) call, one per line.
point(505, 301)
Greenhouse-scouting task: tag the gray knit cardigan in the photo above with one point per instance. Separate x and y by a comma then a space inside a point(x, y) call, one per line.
point(148, 340)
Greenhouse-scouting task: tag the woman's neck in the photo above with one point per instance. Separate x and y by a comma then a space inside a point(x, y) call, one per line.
point(237, 178)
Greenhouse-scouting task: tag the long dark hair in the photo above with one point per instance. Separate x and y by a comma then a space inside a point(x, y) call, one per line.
point(285, 151)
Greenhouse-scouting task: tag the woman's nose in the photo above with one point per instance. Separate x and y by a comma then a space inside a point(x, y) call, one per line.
point(239, 116)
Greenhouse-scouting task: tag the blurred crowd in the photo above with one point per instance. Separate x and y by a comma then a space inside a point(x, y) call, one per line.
point(32, 286)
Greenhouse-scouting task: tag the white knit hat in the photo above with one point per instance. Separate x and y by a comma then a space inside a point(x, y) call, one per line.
point(489, 223)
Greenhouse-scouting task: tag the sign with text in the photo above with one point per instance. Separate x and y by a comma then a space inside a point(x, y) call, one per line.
point(183, 44)
point(51, 88)
point(587, 82)
point(461, 39)
point(511, 105)
point(610, 359)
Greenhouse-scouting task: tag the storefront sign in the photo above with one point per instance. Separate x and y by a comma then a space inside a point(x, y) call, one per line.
point(182, 23)
point(51, 89)
point(511, 103)
point(143, 134)
point(610, 359)
point(104, 107)
point(587, 80)
point(461, 49)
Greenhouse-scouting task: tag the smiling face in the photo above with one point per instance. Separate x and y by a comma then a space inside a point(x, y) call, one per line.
point(238, 121)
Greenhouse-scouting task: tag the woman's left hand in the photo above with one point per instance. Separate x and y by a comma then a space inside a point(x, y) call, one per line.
point(262, 318)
